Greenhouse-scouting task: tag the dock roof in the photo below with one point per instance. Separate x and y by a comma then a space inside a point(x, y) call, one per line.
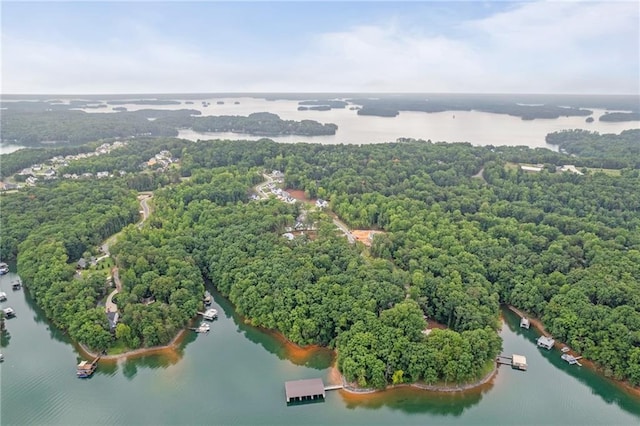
point(304, 388)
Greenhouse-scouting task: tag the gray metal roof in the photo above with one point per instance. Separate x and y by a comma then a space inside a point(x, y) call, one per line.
point(302, 388)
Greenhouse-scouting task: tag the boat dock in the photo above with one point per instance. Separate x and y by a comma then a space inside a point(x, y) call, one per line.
point(517, 362)
point(571, 359)
point(209, 314)
point(202, 328)
point(546, 342)
point(86, 369)
point(307, 390)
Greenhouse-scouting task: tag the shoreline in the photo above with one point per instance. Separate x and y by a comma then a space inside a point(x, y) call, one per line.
point(537, 324)
point(172, 345)
point(335, 375)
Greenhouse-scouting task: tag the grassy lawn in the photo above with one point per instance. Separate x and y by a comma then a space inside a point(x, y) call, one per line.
point(118, 348)
point(105, 264)
point(610, 172)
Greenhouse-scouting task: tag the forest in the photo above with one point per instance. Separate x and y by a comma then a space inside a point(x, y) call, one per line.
point(563, 247)
point(29, 126)
point(621, 150)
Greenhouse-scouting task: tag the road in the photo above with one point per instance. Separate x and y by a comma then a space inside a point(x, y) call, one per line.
point(146, 210)
point(259, 188)
point(115, 274)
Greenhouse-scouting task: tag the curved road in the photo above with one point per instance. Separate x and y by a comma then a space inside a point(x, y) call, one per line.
point(115, 274)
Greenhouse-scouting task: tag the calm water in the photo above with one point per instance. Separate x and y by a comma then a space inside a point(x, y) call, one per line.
point(478, 128)
point(235, 375)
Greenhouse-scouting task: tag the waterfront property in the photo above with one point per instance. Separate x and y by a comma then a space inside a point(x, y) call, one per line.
point(304, 390)
point(546, 342)
point(524, 323)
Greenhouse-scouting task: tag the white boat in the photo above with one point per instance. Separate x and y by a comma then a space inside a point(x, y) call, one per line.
point(4, 268)
point(203, 328)
point(3, 296)
point(1, 357)
point(9, 313)
point(210, 314)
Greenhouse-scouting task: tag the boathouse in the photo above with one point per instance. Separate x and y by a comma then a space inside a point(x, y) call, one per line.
point(304, 390)
point(519, 362)
point(524, 323)
point(545, 342)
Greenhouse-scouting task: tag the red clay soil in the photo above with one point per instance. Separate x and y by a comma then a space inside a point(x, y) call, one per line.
point(298, 194)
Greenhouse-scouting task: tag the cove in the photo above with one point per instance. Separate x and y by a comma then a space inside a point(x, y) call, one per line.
point(236, 375)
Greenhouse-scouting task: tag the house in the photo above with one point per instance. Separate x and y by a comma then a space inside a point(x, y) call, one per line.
point(321, 204)
point(570, 168)
point(101, 175)
point(9, 186)
point(535, 169)
point(31, 180)
point(82, 264)
point(546, 342)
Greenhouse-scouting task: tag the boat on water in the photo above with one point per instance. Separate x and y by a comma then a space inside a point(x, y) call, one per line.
point(3, 296)
point(9, 312)
point(16, 285)
point(1, 357)
point(4, 268)
point(86, 369)
point(210, 314)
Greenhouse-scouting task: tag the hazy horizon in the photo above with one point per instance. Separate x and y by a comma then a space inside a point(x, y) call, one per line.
point(496, 47)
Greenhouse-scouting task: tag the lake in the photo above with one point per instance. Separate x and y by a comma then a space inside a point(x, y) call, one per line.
point(475, 127)
point(236, 373)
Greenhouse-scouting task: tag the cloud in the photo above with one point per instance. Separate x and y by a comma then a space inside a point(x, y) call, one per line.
point(565, 47)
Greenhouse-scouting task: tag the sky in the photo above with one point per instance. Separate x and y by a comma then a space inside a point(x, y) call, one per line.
point(89, 47)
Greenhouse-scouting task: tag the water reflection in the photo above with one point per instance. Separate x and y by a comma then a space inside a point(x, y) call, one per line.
point(315, 357)
point(610, 391)
point(417, 401)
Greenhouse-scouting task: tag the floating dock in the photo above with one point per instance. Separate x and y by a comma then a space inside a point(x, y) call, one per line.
point(517, 362)
point(209, 314)
point(545, 342)
point(571, 359)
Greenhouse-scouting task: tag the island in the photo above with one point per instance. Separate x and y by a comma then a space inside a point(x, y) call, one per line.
point(398, 256)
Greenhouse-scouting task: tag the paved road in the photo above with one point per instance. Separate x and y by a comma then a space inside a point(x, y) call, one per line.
point(115, 273)
point(146, 210)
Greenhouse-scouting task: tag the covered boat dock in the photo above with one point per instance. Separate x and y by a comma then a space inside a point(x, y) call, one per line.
point(304, 390)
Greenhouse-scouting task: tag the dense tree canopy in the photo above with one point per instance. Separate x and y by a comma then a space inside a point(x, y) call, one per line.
point(452, 247)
